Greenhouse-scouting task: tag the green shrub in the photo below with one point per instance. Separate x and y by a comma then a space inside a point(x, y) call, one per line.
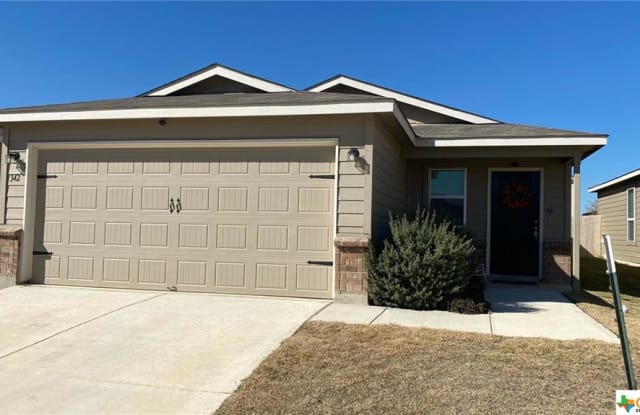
point(424, 265)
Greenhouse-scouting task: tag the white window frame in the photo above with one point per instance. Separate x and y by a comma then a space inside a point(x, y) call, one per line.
point(633, 218)
point(463, 197)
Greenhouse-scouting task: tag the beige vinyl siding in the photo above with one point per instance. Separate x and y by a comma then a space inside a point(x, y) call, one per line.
point(389, 176)
point(477, 188)
point(349, 130)
point(15, 192)
point(351, 194)
point(612, 207)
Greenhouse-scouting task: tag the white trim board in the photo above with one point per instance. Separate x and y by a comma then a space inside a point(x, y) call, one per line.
point(631, 219)
point(617, 180)
point(511, 142)
point(224, 72)
point(400, 97)
point(183, 144)
point(202, 112)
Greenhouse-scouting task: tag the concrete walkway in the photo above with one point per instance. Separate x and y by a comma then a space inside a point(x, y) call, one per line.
point(516, 311)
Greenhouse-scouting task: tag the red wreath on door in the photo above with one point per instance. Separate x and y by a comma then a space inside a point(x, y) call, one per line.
point(515, 196)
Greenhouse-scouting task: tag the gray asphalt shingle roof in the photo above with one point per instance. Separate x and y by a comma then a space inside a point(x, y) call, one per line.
point(211, 100)
point(434, 131)
point(497, 130)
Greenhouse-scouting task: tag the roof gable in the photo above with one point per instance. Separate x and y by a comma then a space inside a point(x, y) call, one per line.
point(215, 79)
point(341, 81)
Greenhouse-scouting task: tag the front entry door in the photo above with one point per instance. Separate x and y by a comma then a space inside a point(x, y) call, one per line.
point(515, 224)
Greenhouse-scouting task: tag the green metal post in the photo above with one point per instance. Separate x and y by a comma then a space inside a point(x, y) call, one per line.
point(617, 303)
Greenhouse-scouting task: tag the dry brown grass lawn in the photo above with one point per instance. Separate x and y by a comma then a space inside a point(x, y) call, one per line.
point(596, 299)
point(329, 368)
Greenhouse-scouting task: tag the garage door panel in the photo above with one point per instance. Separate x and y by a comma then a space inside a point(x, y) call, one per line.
point(119, 197)
point(120, 167)
point(154, 198)
point(194, 199)
point(81, 268)
point(232, 199)
point(117, 270)
point(230, 274)
point(152, 271)
point(273, 199)
point(231, 221)
point(312, 277)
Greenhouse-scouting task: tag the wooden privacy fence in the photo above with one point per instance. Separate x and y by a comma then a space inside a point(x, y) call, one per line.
point(591, 236)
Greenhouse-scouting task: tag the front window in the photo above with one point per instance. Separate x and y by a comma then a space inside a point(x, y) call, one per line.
point(447, 188)
point(631, 214)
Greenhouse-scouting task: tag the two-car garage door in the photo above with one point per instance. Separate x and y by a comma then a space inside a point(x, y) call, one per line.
point(213, 220)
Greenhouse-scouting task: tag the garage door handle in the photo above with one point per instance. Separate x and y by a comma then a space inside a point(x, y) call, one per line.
point(178, 205)
point(326, 263)
point(322, 176)
point(42, 253)
point(171, 206)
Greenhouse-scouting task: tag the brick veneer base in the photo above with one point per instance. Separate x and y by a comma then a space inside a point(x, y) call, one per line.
point(10, 238)
point(556, 261)
point(351, 276)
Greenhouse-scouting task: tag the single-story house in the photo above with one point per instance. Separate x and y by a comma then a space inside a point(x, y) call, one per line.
point(225, 182)
point(617, 207)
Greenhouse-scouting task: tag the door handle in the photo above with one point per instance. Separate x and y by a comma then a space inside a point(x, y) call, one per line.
point(171, 206)
point(178, 205)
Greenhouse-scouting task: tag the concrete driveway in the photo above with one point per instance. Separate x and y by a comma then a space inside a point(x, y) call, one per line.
point(77, 350)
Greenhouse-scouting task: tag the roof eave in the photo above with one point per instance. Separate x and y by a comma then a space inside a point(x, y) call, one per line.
point(617, 180)
point(599, 140)
point(401, 97)
point(203, 111)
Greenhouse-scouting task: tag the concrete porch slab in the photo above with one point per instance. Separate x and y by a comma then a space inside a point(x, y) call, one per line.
point(541, 312)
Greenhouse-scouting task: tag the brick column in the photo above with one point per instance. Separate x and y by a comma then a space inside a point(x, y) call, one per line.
point(351, 276)
point(557, 261)
point(10, 238)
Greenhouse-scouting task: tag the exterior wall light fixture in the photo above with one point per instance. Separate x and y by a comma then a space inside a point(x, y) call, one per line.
point(13, 157)
point(354, 154)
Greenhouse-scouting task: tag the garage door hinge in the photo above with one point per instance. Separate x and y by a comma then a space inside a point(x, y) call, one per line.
point(322, 176)
point(47, 176)
point(327, 263)
point(42, 253)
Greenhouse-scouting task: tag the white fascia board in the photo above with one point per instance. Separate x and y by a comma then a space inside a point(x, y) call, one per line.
point(372, 89)
point(617, 180)
point(406, 127)
point(225, 73)
point(203, 112)
point(512, 142)
point(182, 144)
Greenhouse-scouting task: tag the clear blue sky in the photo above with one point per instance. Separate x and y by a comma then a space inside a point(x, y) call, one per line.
point(564, 65)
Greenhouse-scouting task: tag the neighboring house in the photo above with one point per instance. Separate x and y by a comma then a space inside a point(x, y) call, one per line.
point(617, 207)
point(224, 182)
